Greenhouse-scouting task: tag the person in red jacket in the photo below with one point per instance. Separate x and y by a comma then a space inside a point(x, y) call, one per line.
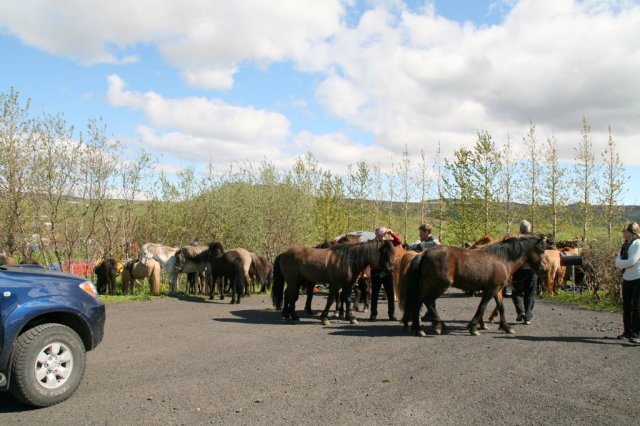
point(381, 278)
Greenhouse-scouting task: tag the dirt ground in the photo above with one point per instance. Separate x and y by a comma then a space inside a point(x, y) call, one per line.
point(176, 361)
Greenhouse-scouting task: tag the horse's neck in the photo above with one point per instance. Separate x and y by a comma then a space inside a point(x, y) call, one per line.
point(516, 264)
point(164, 254)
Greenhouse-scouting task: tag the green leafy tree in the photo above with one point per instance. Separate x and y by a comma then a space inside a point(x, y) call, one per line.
point(553, 187)
point(510, 184)
point(18, 136)
point(585, 178)
point(532, 164)
point(485, 172)
point(461, 197)
point(614, 185)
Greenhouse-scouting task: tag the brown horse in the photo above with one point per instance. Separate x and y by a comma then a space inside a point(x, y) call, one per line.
point(339, 266)
point(487, 270)
point(7, 260)
point(260, 272)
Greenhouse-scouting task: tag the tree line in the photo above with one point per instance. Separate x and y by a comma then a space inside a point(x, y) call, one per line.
point(68, 194)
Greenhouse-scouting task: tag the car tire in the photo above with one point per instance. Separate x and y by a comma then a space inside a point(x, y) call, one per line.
point(48, 365)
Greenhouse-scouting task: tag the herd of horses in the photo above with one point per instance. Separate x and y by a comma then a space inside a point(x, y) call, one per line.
point(344, 265)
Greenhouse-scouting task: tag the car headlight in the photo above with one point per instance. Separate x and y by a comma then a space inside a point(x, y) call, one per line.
point(89, 288)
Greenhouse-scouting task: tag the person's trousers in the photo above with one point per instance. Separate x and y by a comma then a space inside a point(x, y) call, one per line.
point(631, 307)
point(525, 284)
point(385, 280)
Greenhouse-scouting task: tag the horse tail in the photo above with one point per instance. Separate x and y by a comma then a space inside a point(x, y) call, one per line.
point(277, 289)
point(409, 284)
point(154, 279)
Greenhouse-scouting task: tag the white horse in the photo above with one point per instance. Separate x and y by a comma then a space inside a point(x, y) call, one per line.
point(166, 256)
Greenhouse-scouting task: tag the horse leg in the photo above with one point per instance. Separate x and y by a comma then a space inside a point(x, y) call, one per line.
point(438, 324)
point(221, 287)
point(173, 282)
point(494, 314)
point(376, 283)
point(333, 292)
point(500, 308)
point(474, 324)
point(307, 305)
point(350, 315)
point(290, 297)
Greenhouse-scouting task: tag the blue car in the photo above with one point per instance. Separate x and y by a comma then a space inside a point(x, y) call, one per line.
point(48, 321)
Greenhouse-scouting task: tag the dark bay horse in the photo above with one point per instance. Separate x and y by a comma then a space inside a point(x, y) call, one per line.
point(339, 266)
point(106, 273)
point(229, 264)
point(487, 270)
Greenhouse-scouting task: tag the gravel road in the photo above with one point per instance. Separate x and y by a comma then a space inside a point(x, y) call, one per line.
point(175, 361)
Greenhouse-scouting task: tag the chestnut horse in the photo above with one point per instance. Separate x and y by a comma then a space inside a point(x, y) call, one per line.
point(487, 270)
point(339, 266)
point(7, 260)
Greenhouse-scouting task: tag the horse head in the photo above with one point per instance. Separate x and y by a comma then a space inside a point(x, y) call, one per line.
point(180, 260)
point(387, 256)
point(216, 249)
point(535, 259)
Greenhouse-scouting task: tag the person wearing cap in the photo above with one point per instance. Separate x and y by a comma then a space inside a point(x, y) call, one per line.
point(380, 278)
point(525, 283)
point(426, 239)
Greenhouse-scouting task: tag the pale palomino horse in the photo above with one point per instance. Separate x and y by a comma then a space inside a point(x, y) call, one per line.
point(166, 256)
point(135, 270)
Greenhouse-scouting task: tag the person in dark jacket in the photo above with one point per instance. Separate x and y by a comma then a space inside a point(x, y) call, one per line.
point(525, 283)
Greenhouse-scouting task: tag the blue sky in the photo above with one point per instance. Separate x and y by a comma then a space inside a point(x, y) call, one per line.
point(197, 81)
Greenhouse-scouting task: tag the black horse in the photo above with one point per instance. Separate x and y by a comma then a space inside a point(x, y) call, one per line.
point(106, 272)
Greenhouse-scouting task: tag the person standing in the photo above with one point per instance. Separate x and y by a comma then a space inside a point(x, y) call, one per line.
point(426, 239)
point(525, 283)
point(629, 261)
point(380, 278)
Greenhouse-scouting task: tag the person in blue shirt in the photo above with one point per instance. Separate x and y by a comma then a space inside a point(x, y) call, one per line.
point(426, 239)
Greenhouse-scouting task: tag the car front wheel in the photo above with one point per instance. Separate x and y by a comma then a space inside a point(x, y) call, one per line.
point(48, 365)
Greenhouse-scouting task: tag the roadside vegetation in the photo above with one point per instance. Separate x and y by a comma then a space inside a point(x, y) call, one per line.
point(68, 195)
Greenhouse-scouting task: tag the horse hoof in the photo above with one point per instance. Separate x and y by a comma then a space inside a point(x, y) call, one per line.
point(484, 327)
point(438, 329)
point(474, 332)
point(325, 321)
point(421, 333)
point(510, 331)
point(354, 321)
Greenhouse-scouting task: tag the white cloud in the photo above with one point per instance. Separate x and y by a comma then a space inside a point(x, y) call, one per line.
point(419, 79)
point(199, 129)
point(406, 77)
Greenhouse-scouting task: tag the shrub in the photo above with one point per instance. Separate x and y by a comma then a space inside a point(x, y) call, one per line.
point(601, 275)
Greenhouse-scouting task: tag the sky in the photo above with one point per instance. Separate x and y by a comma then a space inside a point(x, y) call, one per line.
point(211, 81)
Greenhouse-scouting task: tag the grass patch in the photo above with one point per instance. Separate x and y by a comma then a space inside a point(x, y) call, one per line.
point(586, 299)
point(107, 299)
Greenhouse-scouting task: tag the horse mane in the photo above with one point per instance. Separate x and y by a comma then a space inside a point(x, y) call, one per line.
point(216, 247)
point(360, 254)
point(482, 242)
point(192, 252)
point(512, 248)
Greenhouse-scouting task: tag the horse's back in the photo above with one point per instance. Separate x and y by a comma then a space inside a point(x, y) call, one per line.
point(466, 269)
